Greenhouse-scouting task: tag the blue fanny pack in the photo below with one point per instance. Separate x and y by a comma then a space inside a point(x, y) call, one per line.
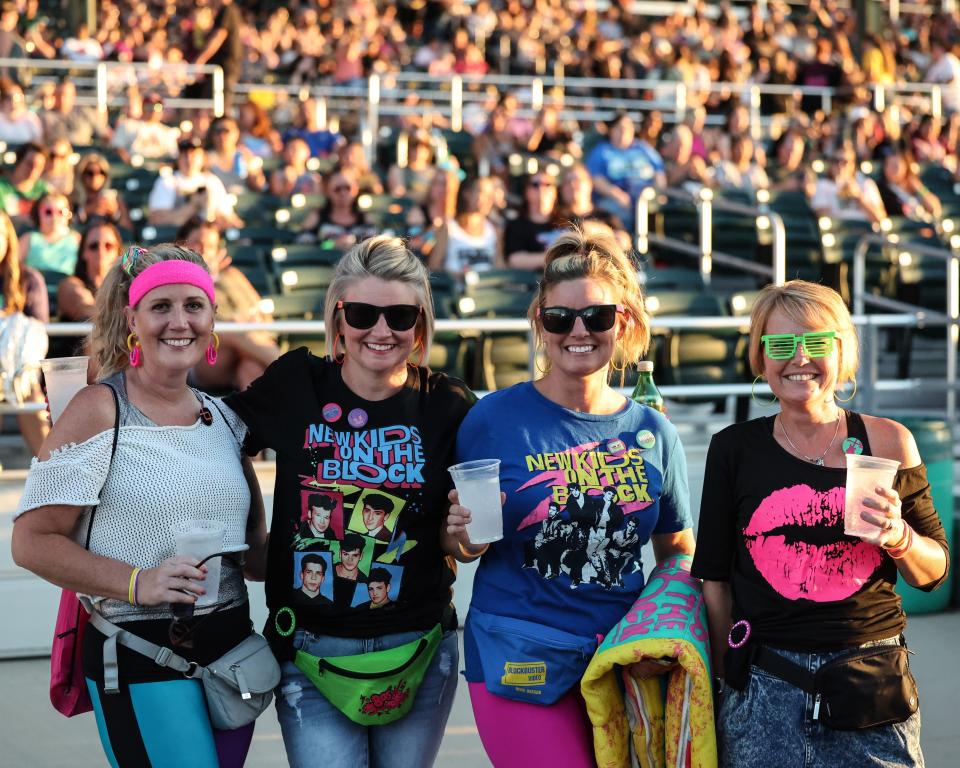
point(525, 661)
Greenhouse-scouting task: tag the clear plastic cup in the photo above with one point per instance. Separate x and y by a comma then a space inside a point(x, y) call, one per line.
point(200, 539)
point(478, 483)
point(864, 474)
point(65, 376)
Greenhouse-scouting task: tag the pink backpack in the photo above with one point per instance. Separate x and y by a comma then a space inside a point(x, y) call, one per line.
point(68, 688)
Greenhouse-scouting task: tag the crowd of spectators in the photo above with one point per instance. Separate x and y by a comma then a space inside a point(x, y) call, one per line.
point(519, 175)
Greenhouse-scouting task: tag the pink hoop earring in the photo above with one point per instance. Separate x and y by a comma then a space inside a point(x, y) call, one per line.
point(212, 349)
point(337, 359)
point(134, 350)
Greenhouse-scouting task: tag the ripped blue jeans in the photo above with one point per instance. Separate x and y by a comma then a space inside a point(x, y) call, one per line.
point(316, 732)
point(770, 723)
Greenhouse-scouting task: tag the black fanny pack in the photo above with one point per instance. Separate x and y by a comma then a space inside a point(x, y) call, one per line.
point(866, 688)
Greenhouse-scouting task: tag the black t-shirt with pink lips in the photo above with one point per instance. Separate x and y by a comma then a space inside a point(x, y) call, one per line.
point(772, 525)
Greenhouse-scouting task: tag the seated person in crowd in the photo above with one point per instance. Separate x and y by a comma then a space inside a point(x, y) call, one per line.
point(23, 184)
point(339, 223)
point(469, 241)
point(846, 194)
point(576, 205)
point(241, 357)
point(233, 164)
point(293, 177)
point(411, 181)
point(93, 198)
point(527, 237)
point(787, 171)
point(352, 158)
point(82, 126)
point(306, 126)
point(190, 191)
point(143, 130)
point(100, 246)
point(51, 246)
point(902, 192)
point(18, 125)
point(58, 172)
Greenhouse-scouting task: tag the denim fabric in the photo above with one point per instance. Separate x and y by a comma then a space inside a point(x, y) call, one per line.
point(770, 724)
point(317, 733)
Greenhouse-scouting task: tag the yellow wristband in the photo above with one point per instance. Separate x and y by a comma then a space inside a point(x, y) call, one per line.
point(468, 553)
point(132, 587)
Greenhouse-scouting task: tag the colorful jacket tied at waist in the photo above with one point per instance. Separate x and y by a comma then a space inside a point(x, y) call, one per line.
point(664, 721)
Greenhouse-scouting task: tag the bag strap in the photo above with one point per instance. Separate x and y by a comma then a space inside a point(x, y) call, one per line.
point(776, 665)
point(113, 451)
point(160, 654)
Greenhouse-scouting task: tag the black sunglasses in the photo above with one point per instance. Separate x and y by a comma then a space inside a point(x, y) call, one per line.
point(400, 317)
point(597, 318)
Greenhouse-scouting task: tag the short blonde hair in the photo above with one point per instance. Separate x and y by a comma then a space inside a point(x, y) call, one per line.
point(108, 339)
point(809, 305)
point(387, 258)
point(595, 254)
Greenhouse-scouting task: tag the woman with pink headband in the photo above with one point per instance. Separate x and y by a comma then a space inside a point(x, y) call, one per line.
point(146, 454)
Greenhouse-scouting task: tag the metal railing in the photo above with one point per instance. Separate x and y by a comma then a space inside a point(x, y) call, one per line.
point(108, 76)
point(950, 318)
point(705, 202)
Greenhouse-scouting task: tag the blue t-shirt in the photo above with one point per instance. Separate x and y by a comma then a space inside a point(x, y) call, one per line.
point(584, 494)
point(632, 169)
point(321, 143)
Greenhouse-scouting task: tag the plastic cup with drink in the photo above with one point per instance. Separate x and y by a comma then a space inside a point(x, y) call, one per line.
point(65, 376)
point(478, 484)
point(199, 539)
point(864, 474)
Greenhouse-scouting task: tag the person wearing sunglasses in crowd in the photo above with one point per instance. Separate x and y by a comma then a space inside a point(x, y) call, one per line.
point(340, 223)
point(786, 589)
point(52, 246)
point(93, 197)
point(177, 457)
point(99, 250)
point(571, 441)
point(365, 421)
point(527, 237)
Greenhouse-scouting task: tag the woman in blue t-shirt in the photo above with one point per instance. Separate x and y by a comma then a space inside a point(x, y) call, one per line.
point(589, 477)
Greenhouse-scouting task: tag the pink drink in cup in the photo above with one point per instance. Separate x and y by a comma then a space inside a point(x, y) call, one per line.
point(864, 474)
point(478, 484)
point(64, 376)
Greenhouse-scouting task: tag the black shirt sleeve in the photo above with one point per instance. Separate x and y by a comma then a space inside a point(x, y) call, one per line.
point(918, 510)
point(716, 534)
point(257, 405)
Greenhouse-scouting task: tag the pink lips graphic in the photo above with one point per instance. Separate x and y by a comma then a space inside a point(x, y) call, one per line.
point(798, 568)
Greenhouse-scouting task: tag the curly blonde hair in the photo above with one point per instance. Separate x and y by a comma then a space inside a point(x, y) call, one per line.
point(595, 254)
point(108, 338)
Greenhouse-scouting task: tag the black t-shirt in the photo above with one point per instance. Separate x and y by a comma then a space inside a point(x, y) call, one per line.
point(522, 234)
point(393, 454)
point(771, 524)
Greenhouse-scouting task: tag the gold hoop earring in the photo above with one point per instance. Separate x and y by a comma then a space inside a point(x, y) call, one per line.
point(757, 400)
point(847, 399)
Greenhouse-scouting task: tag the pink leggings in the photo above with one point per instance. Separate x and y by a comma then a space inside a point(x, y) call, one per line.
point(518, 735)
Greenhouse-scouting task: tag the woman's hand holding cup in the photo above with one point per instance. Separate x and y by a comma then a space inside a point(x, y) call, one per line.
point(175, 580)
point(885, 514)
point(458, 518)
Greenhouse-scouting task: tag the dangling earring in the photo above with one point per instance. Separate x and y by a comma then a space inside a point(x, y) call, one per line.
point(757, 400)
point(847, 399)
point(136, 352)
point(213, 348)
point(336, 358)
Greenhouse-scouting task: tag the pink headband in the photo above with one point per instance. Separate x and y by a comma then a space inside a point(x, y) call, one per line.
point(171, 272)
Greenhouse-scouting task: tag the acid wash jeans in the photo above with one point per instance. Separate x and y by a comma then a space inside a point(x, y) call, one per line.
point(317, 733)
point(770, 724)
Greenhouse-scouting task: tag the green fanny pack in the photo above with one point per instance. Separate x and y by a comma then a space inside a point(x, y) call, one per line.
point(373, 688)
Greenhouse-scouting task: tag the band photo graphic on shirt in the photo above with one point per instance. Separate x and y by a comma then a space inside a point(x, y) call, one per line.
point(382, 588)
point(375, 514)
point(321, 518)
point(312, 578)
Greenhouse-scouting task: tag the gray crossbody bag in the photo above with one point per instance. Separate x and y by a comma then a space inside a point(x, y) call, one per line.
point(238, 686)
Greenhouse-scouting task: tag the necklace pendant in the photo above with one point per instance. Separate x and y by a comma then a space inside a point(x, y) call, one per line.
point(819, 462)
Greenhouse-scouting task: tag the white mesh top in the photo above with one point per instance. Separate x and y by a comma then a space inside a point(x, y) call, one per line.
point(160, 476)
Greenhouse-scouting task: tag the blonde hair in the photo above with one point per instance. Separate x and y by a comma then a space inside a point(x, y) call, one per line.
point(387, 258)
point(108, 339)
point(810, 306)
point(91, 158)
point(14, 298)
point(594, 254)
